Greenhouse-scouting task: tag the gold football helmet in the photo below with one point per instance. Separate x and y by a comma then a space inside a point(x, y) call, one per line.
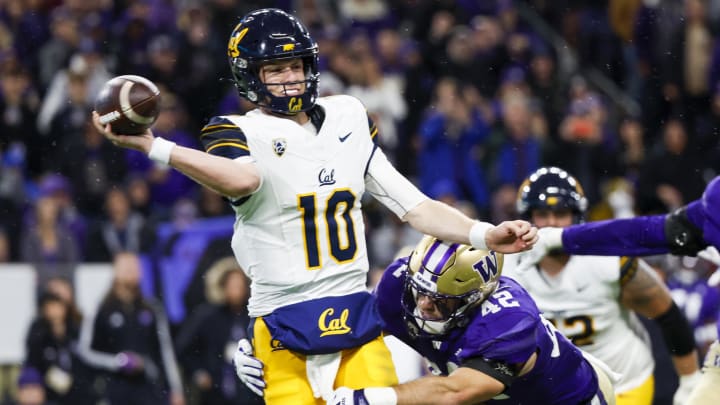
point(456, 277)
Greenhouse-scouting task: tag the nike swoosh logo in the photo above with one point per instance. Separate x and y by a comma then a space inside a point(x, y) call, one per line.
point(343, 138)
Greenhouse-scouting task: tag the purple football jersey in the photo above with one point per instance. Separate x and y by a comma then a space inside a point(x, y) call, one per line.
point(508, 328)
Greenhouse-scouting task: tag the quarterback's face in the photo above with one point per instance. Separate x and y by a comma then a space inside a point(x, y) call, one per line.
point(284, 78)
point(556, 218)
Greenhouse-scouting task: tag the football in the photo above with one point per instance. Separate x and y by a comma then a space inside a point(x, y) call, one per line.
point(129, 103)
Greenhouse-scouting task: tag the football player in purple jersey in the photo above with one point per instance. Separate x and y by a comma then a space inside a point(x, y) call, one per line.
point(481, 333)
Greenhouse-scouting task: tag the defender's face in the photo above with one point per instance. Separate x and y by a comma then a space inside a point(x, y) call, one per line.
point(284, 78)
point(435, 310)
point(557, 218)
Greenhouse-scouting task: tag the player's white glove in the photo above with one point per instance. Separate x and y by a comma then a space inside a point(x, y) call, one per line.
point(248, 368)
point(687, 384)
point(548, 239)
point(367, 396)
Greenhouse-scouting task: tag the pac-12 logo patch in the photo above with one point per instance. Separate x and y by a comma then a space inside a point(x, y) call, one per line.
point(279, 146)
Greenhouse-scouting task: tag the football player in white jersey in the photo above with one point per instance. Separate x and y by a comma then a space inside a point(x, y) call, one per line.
point(295, 170)
point(592, 299)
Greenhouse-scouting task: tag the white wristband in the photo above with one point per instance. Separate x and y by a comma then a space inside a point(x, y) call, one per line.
point(551, 238)
point(160, 150)
point(477, 234)
point(380, 396)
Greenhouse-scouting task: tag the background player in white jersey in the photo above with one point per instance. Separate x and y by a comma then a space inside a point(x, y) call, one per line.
point(591, 299)
point(295, 171)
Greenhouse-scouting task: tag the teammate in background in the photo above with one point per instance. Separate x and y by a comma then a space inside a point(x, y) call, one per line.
point(295, 170)
point(686, 231)
point(592, 299)
point(481, 332)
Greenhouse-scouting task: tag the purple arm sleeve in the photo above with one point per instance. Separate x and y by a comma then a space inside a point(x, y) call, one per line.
point(639, 236)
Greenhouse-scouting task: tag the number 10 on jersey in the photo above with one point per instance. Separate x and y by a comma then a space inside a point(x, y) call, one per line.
point(337, 207)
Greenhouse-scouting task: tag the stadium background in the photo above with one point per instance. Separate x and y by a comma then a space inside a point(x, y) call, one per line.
point(469, 96)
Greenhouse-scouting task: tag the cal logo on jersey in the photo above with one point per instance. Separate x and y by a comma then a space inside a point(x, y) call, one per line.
point(279, 145)
point(334, 326)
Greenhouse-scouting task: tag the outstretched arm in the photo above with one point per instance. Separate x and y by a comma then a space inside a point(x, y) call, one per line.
point(685, 231)
point(680, 232)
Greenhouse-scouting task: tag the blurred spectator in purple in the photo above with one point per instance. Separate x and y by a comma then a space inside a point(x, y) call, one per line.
point(30, 388)
point(138, 191)
point(50, 347)
point(59, 188)
point(30, 25)
point(707, 133)
point(47, 244)
point(382, 98)
point(390, 48)
point(120, 230)
point(451, 145)
point(417, 91)
point(162, 52)
point(198, 64)
point(598, 46)
point(166, 185)
point(13, 197)
point(92, 165)
point(18, 109)
point(520, 147)
point(490, 53)
point(367, 15)
point(546, 86)
point(672, 174)
point(586, 140)
point(54, 54)
point(688, 62)
point(79, 82)
point(208, 339)
point(632, 153)
point(461, 62)
point(130, 36)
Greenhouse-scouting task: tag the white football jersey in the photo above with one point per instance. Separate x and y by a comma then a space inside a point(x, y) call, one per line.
point(583, 301)
point(301, 235)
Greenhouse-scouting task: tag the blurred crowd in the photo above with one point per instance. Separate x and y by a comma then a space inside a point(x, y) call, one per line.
point(469, 96)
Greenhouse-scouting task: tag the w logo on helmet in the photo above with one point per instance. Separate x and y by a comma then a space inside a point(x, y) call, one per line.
point(487, 267)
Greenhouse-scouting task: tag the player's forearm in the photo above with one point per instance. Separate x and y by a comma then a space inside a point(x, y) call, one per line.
point(224, 176)
point(440, 390)
point(435, 218)
point(686, 364)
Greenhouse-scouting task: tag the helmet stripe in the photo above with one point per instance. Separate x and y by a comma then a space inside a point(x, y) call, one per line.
point(437, 257)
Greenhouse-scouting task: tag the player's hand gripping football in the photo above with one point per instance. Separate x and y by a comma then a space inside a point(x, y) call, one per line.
point(248, 368)
point(142, 142)
point(511, 236)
